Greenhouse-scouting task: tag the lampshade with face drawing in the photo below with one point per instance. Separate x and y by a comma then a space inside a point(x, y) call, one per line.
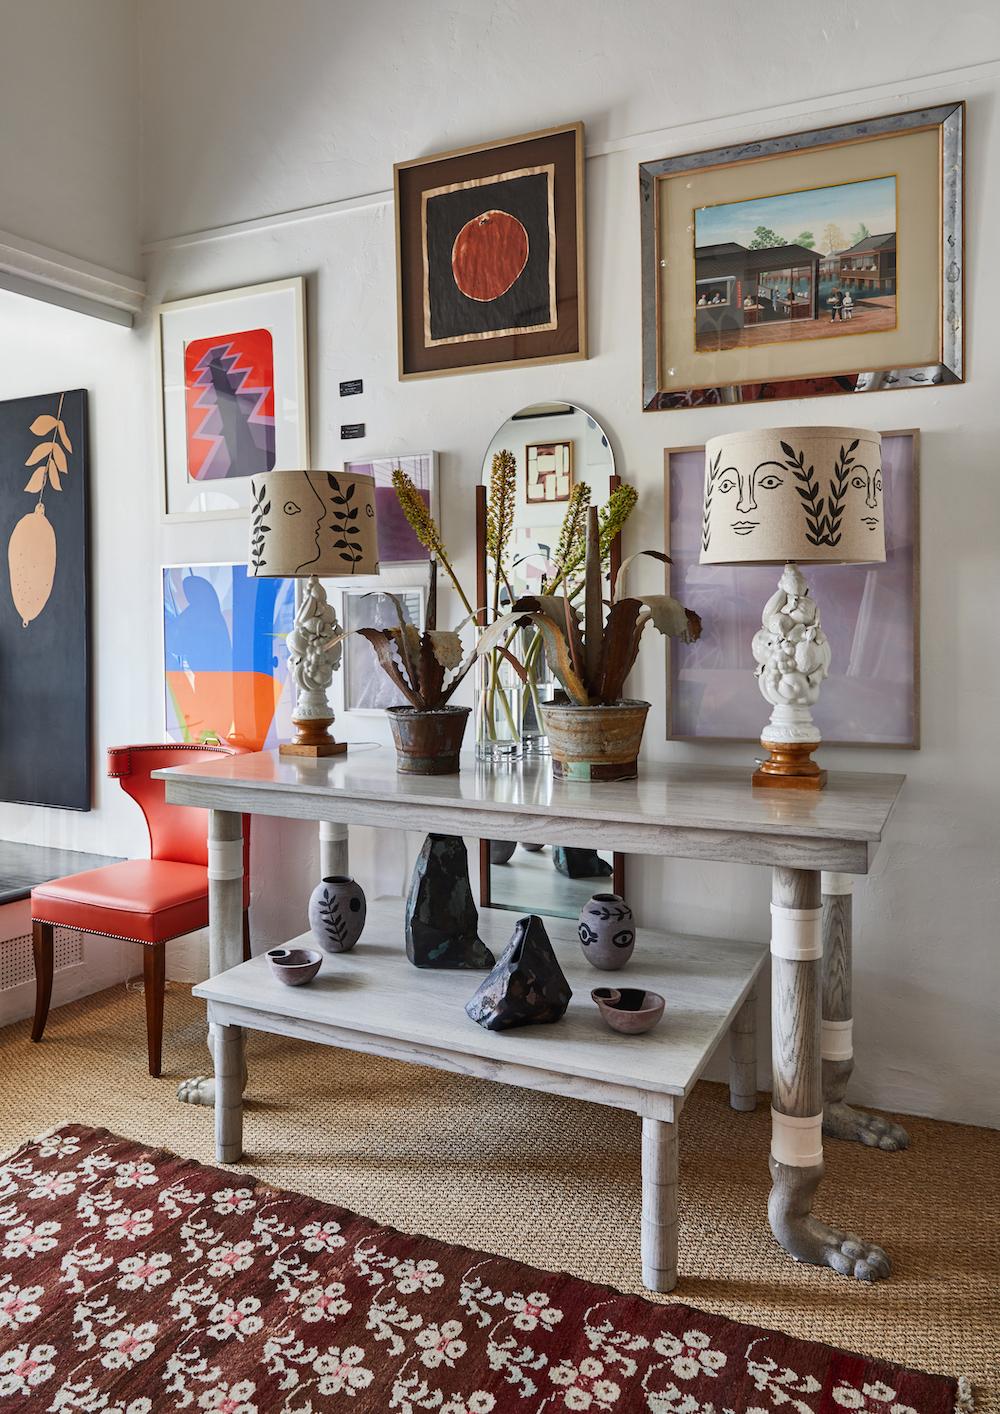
point(304, 524)
point(791, 496)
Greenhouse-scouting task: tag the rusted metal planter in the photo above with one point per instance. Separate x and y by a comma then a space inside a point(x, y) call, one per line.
point(428, 742)
point(595, 743)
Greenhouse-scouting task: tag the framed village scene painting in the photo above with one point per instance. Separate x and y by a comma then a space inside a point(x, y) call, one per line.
point(233, 380)
point(490, 255)
point(822, 262)
point(871, 616)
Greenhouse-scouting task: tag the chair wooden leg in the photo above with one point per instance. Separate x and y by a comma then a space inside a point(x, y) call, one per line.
point(246, 935)
point(42, 947)
point(154, 958)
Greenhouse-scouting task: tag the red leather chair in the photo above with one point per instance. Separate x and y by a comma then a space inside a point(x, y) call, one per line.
point(145, 901)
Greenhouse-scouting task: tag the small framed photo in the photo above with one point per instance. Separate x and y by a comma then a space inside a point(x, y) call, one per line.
point(548, 471)
point(232, 370)
point(871, 616)
point(367, 689)
point(397, 543)
point(490, 255)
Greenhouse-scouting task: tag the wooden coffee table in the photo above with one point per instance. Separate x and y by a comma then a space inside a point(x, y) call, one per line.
point(374, 1000)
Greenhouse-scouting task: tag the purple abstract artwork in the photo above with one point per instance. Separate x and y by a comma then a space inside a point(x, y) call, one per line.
point(397, 543)
point(869, 612)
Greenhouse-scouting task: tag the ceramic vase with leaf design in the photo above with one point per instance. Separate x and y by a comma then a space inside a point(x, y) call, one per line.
point(606, 931)
point(337, 913)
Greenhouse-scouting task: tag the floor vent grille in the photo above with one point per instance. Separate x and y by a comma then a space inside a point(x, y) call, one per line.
point(17, 965)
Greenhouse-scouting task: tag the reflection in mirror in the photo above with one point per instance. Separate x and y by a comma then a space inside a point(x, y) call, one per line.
point(556, 446)
point(548, 879)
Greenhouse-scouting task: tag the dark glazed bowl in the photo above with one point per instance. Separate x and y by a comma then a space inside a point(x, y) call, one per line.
point(294, 966)
point(630, 1010)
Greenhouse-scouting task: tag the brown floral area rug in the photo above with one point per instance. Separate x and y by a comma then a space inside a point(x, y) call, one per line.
point(133, 1282)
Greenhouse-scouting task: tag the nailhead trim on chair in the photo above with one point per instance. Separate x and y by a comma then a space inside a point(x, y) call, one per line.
point(222, 747)
point(119, 937)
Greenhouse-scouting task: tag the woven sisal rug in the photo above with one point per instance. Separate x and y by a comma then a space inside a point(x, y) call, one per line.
point(133, 1282)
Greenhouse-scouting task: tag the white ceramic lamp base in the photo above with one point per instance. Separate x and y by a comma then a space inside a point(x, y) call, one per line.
point(793, 657)
point(312, 659)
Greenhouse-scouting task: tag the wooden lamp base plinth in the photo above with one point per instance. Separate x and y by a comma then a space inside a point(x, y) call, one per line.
point(313, 739)
point(790, 766)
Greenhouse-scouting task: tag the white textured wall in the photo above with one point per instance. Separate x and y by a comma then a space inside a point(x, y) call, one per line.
point(69, 152)
point(254, 108)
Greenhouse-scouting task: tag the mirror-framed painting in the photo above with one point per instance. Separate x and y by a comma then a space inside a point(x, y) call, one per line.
point(820, 262)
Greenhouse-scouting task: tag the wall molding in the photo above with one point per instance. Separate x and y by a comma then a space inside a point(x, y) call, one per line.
point(27, 268)
point(953, 84)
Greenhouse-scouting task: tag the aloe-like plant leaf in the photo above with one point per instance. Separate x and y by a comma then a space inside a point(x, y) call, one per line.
point(383, 645)
point(556, 647)
point(446, 646)
point(619, 648)
point(619, 592)
point(671, 618)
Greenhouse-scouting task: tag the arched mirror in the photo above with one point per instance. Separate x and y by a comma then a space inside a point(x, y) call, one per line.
point(556, 446)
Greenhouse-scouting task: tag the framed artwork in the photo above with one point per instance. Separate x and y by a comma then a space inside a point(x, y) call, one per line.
point(822, 262)
point(45, 721)
point(548, 471)
point(490, 255)
point(397, 544)
point(871, 615)
point(225, 656)
point(366, 687)
point(234, 395)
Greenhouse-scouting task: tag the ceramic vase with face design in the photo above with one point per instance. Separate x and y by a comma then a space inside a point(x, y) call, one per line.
point(337, 913)
point(606, 931)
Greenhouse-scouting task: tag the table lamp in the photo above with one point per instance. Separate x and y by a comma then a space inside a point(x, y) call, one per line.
point(304, 524)
point(791, 496)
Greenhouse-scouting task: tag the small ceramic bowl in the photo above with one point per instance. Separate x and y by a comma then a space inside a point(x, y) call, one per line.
point(630, 1010)
point(294, 966)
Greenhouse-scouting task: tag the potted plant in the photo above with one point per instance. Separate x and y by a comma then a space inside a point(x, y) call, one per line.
point(594, 733)
point(426, 667)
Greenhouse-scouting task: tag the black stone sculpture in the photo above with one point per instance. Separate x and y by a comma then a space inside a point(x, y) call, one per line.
point(501, 851)
point(580, 863)
point(442, 923)
point(526, 986)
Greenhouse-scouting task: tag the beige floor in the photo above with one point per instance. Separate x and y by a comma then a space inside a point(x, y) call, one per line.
point(555, 1182)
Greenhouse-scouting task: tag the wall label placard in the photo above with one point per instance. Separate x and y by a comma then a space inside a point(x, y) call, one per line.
point(351, 430)
point(352, 387)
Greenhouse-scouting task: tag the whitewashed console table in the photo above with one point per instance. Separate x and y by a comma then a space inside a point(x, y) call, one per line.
point(374, 1001)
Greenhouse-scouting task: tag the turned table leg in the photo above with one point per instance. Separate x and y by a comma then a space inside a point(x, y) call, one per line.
point(840, 1120)
point(333, 854)
point(227, 1046)
point(743, 1055)
point(797, 1088)
point(659, 1204)
point(225, 926)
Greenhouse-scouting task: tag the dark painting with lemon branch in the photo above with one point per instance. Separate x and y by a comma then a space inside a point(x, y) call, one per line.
point(490, 247)
point(44, 657)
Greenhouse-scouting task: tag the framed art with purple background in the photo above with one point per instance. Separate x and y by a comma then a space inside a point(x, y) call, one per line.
point(399, 550)
point(234, 395)
point(871, 617)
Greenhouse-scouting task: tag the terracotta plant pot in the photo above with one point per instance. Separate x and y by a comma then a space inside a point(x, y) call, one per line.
point(337, 913)
point(595, 743)
point(428, 742)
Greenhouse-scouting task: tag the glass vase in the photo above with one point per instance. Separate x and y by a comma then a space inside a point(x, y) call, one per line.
point(498, 711)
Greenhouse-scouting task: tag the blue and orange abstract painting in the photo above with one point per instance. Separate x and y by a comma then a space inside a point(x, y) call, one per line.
point(225, 655)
